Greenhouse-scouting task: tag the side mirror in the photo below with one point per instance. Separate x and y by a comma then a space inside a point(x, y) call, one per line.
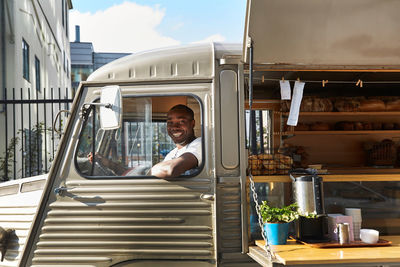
point(110, 107)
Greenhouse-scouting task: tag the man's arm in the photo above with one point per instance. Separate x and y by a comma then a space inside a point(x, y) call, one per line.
point(174, 167)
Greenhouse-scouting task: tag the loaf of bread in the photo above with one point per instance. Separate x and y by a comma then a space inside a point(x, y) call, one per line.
point(315, 104)
point(372, 105)
point(283, 159)
point(322, 105)
point(347, 105)
point(256, 164)
point(393, 105)
point(306, 104)
point(265, 156)
point(269, 164)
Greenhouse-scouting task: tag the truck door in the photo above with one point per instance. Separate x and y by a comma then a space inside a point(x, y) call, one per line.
point(115, 214)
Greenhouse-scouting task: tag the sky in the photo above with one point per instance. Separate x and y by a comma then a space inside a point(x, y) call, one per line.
point(130, 26)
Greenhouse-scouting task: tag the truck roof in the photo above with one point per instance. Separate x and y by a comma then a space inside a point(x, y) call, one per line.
point(188, 61)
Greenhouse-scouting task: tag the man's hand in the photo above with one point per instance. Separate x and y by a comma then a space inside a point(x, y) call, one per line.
point(174, 167)
point(99, 158)
point(90, 157)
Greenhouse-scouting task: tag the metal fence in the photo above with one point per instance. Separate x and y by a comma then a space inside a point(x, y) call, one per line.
point(30, 142)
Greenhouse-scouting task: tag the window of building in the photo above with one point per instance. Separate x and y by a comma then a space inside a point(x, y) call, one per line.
point(64, 15)
point(63, 12)
point(81, 72)
point(25, 60)
point(37, 74)
point(141, 142)
point(66, 19)
point(64, 61)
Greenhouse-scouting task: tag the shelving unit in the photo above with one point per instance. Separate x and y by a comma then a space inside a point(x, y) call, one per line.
point(333, 178)
point(356, 114)
point(339, 132)
point(342, 148)
point(340, 116)
point(330, 146)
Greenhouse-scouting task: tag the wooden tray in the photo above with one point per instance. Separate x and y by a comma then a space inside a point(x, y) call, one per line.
point(380, 243)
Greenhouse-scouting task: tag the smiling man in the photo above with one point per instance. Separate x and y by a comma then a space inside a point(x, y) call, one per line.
point(187, 154)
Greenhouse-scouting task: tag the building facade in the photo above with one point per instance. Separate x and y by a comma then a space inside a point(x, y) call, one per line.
point(84, 60)
point(35, 50)
point(34, 64)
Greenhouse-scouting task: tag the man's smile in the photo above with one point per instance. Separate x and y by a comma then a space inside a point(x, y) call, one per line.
point(177, 134)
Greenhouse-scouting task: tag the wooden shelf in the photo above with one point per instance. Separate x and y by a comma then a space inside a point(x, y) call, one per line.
point(298, 254)
point(339, 132)
point(376, 113)
point(367, 174)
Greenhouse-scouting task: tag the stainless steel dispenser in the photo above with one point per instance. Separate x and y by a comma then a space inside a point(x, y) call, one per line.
point(308, 192)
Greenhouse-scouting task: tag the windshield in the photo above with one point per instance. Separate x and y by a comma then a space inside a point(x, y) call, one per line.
point(137, 146)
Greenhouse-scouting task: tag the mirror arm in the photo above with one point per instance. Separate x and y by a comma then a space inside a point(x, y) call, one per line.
point(86, 107)
point(106, 105)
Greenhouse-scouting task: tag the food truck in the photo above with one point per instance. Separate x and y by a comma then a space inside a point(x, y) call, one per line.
point(340, 59)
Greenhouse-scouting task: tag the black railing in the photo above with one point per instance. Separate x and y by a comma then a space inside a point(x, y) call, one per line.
point(29, 138)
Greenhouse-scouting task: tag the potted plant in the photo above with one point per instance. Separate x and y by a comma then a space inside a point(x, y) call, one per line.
point(276, 221)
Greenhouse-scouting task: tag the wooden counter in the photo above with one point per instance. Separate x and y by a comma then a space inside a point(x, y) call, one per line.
point(297, 254)
point(383, 176)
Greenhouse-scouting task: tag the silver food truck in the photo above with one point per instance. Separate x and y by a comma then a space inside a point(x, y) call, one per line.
point(84, 214)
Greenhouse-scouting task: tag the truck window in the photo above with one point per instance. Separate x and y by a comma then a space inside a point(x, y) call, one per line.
point(137, 146)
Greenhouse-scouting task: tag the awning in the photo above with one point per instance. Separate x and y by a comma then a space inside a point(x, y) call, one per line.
point(308, 34)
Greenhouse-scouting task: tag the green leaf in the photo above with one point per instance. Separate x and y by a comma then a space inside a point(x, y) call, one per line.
point(275, 215)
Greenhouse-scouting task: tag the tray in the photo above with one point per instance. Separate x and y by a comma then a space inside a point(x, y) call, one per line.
point(380, 243)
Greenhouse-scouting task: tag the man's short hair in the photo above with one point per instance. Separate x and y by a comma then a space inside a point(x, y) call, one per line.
point(183, 108)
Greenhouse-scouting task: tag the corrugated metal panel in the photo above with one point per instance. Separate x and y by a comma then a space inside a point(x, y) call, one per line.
point(17, 211)
point(229, 226)
point(104, 222)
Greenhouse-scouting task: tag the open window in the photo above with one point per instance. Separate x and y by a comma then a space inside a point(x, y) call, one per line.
point(140, 143)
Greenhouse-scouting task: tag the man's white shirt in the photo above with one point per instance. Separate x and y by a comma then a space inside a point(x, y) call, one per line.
point(194, 147)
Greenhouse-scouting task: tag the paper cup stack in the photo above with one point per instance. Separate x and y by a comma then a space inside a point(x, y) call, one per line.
point(355, 213)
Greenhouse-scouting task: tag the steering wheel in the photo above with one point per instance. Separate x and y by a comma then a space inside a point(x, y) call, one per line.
point(100, 170)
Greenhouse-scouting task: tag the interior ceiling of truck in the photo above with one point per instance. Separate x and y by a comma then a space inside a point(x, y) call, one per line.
point(323, 33)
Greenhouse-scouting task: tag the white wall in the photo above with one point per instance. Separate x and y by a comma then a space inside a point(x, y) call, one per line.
point(39, 23)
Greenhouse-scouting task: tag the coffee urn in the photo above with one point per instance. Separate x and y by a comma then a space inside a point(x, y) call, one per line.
point(308, 193)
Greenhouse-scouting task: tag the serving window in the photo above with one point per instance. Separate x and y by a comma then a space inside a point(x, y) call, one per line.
point(141, 142)
point(349, 131)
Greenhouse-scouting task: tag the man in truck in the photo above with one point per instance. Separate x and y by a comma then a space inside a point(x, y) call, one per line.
point(182, 160)
point(186, 156)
